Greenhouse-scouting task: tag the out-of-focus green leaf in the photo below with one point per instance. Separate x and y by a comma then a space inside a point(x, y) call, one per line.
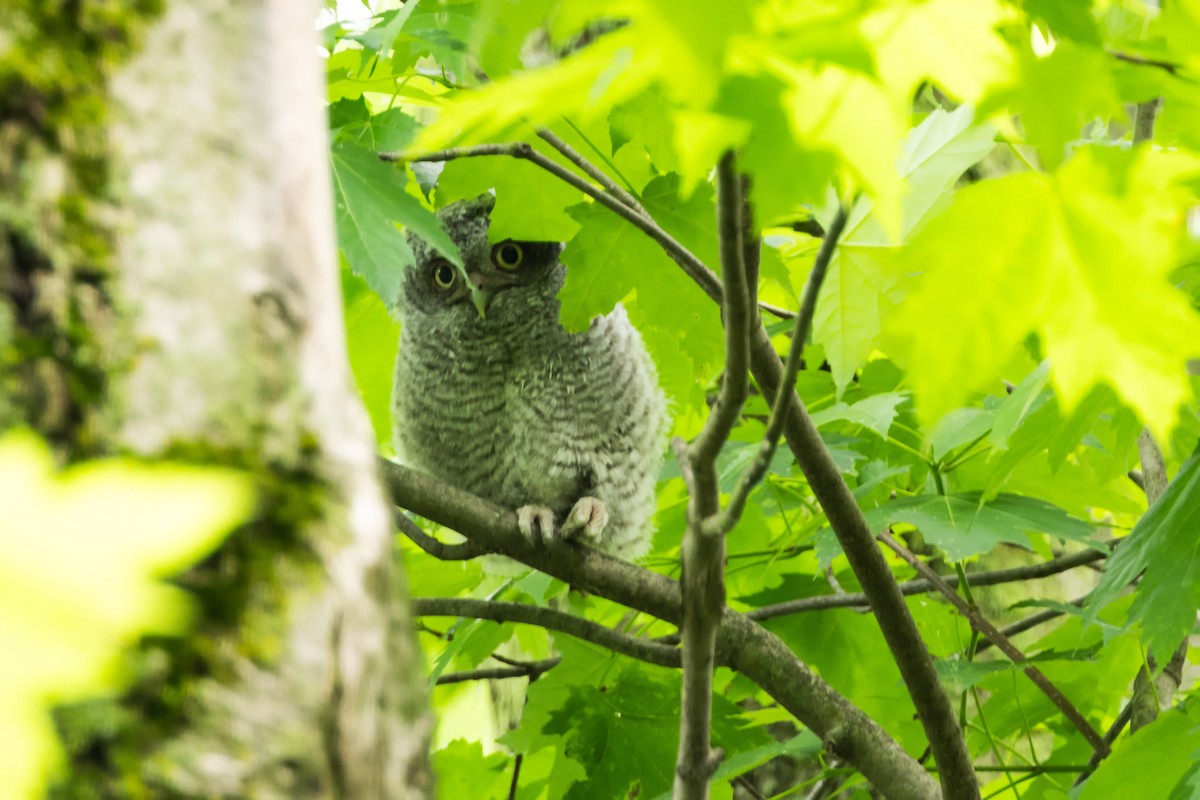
point(1053, 262)
point(82, 554)
point(862, 275)
point(464, 771)
point(1057, 96)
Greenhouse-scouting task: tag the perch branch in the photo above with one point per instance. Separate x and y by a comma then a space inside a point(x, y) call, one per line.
point(703, 552)
point(742, 644)
point(551, 619)
point(985, 627)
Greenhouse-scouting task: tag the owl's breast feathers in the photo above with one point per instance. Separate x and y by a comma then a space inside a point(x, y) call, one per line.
point(537, 416)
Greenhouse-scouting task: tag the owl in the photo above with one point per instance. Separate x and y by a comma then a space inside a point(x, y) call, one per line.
point(494, 396)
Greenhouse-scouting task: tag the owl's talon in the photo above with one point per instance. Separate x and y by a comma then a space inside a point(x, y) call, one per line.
point(589, 516)
point(536, 524)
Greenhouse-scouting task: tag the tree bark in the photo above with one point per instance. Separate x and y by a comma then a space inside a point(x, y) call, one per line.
point(212, 263)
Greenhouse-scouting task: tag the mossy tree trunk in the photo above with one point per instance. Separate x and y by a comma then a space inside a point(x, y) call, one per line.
point(170, 289)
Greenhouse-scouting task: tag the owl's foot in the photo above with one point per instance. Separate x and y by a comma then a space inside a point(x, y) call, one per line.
point(589, 516)
point(536, 524)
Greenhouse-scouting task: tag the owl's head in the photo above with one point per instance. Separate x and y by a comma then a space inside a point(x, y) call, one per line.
point(510, 281)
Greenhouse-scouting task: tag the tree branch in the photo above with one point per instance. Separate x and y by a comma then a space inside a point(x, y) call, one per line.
point(779, 411)
point(985, 627)
point(531, 670)
point(992, 578)
point(1145, 62)
point(694, 267)
point(591, 170)
point(742, 644)
point(551, 619)
point(703, 549)
point(908, 649)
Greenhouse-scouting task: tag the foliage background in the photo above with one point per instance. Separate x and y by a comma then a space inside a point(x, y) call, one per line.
point(1013, 300)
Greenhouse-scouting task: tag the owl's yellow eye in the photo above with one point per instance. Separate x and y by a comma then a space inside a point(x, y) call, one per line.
point(444, 275)
point(508, 255)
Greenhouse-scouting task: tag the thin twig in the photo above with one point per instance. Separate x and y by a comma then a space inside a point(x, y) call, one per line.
point(1145, 62)
point(990, 578)
point(591, 170)
point(441, 550)
point(531, 670)
point(551, 619)
point(703, 551)
point(779, 411)
point(985, 627)
point(1032, 621)
point(1110, 736)
point(694, 267)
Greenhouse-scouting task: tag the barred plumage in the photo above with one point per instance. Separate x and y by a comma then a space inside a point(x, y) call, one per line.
point(513, 407)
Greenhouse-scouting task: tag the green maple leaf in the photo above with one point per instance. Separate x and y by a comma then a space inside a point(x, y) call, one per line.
point(375, 336)
point(1056, 96)
point(1052, 260)
point(962, 526)
point(1153, 762)
point(1165, 546)
point(369, 200)
point(862, 276)
point(82, 554)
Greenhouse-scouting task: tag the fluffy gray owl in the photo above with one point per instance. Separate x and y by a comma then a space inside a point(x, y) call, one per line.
point(492, 395)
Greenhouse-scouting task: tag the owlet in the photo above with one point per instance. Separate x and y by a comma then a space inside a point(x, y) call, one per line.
point(494, 396)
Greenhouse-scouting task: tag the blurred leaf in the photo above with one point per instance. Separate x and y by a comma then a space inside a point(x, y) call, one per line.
point(1053, 262)
point(488, 777)
point(82, 554)
point(374, 338)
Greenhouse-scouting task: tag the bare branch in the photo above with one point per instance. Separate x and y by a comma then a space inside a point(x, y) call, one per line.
point(982, 625)
point(742, 644)
point(694, 267)
point(779, 411)
point(1145, 62)
point(551, 619)
point(591, 170)
point(991, 578)
point(934, 709)
point(703, 551)
point(531, 670)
